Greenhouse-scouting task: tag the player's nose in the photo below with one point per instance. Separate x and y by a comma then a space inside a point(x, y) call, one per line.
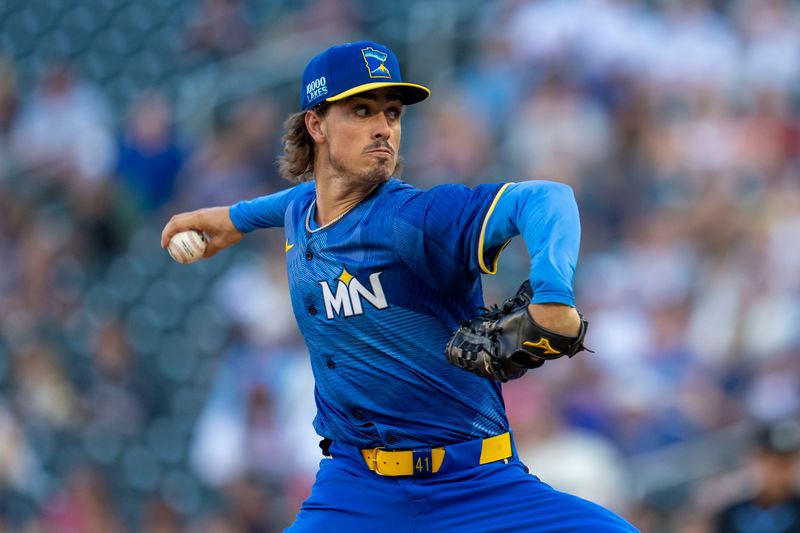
point(381, 128)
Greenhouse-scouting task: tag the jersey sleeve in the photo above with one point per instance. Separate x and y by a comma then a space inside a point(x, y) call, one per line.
point(545, 214)
point(437, 232)
point(265, 211)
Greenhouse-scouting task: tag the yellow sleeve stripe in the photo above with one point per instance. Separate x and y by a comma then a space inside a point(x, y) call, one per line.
point(496, 258)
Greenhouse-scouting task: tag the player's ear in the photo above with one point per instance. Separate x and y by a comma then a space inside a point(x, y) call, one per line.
point(314, 126)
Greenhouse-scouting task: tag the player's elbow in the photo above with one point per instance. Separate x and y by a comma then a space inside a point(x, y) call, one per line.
point(559, 193)
point(549, 196)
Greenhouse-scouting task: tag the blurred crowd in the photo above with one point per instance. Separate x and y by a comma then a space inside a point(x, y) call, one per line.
point(140, 395)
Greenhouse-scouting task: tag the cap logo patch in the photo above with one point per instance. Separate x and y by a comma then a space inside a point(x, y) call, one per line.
point(374, 60)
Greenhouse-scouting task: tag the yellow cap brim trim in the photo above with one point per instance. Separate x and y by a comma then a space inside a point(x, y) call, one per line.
point(421, 92)
point(496, 258)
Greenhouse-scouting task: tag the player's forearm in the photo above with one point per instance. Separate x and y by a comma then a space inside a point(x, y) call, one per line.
point(263, 212)
point(546, 216)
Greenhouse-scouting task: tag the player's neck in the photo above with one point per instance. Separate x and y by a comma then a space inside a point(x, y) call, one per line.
point(336, 196)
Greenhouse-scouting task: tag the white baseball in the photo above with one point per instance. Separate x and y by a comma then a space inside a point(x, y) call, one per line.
point(187, 246)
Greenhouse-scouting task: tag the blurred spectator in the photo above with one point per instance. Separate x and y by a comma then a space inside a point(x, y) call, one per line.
point(82, 506)
point(491, 89)
point(150, 156)
point(254, 506)
point(557, 133)
point(236, 161)
point(774, 505)
point(253, 289)
point(43, 393)
point(40, 249)
point(218, 29)
point(9, 101)
point(455, 146)
point(118, 397)
point(160, 518)
point(771, 34)
point(81, 145)
point(104, 218)
point(243, 427)
point(218, 523)
point(330, 20)
point(256, 122)
point(697, 49)
point(579, 462)
point(20, 469)
point(773, 392)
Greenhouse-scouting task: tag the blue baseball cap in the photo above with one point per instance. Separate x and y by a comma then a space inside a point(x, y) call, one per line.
point(353, 68)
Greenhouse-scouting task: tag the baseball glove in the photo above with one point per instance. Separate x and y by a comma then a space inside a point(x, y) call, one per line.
point(504, 342)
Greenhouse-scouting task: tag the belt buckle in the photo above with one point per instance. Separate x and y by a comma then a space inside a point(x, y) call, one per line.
point(373, 460)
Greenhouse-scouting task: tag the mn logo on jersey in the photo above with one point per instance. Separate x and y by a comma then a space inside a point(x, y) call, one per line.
point(374, 60)
point(350, 294)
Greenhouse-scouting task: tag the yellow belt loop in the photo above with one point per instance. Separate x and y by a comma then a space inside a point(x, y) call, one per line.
point(438, 456)
point(495, 448)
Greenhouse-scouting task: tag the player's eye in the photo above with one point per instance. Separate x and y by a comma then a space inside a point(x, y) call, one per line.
point(361, 111)
point(393, 113)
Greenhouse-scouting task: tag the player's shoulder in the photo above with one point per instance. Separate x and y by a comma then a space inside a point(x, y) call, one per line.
point(298, 200)
point(395, 194)
point(307, 188)
point(446, 193)
point(441, 205)
point(396, 188)
point(302, 194)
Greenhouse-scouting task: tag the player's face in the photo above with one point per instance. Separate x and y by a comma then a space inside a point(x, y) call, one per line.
point(363, 135)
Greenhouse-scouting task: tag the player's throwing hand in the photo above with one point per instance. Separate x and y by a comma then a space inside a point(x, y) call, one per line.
point(214, 222)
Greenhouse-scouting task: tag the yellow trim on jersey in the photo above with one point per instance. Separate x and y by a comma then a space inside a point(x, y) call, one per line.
point(481, 263)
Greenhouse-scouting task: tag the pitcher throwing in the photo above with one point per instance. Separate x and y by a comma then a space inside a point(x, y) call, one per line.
point(385, 285)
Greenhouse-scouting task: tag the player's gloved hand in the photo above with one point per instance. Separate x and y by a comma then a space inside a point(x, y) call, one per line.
point(214, 222)
point(505, 342)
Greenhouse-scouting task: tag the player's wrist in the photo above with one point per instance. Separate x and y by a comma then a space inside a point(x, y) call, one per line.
point(558, 318)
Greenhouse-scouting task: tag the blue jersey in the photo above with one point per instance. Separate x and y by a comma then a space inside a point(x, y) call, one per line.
point(378, 293)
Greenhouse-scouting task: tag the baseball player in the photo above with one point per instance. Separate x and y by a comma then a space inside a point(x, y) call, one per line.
point(385, 282)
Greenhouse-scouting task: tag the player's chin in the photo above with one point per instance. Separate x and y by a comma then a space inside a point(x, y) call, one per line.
point(379, 172)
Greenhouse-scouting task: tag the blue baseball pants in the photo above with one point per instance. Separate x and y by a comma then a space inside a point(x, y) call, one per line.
point(462, 496)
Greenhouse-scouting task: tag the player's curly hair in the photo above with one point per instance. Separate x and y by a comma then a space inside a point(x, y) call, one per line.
point(297, 162)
